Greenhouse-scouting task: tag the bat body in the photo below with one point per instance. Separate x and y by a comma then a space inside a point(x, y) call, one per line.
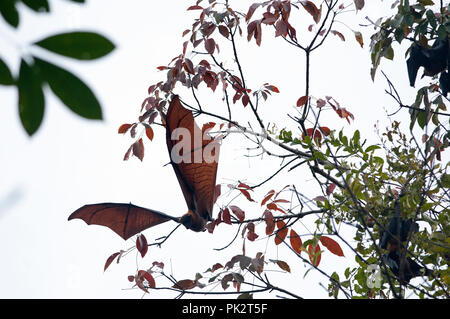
point(394, 239)
point(195, 166)
point(444, 83)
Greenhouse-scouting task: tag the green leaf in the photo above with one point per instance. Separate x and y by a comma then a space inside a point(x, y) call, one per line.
point(245, 295)
point(431, 18)
point(426, 2)
point(445, 180)
point(356, 137)
point(389, 53)
point(78, 45)
point(6, 77)
point(31, 98)
point(73, 92)
point(422, 119)
point(9, 12)
point(399, 35)
point(442, 32)
point(372, 148)
point(37, 5)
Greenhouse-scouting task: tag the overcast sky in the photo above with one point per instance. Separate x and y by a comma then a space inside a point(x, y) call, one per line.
point(70, 161)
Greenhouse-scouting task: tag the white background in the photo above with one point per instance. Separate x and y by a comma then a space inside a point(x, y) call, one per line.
point(70, 161)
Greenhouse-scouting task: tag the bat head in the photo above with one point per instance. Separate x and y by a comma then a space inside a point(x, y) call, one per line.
point(193, 221)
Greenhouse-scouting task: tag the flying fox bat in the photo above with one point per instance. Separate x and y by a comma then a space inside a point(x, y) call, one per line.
point(394, 239)
point(195, 167)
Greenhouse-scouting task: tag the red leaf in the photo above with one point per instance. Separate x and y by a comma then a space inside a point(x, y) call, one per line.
point(317, 135)
point(239, 213)
point(138, 149)
point(185, 284)
point(302, 101)
point(143, 276)
point(325, 130)
point(205, 64)
point(226, 217)
point(359, 38)
point(296, 242)
point(281, 232)
point(149, 133)
point(314, 254)
point(268, 196)
point(189, 66)
point(194, 8)
point(283, 265)
point(216, 266)
point(272, 88)
point(185, 32)
point(320, 103)
point(270, 225)
point(258, 33)
point(243, 185)
point(320, 198)
point(343, 113)
point(251, 10)
point(197, 42)
point(272, 206)
point(127, 154)
point(312, 10)
point(340, 35)
point(207, 126)
point(141, 245)
point(270, 18)
point(110, 260)
point(210, 45)
point(245, 100)
point(332, 245)
point(359, 4)
point(224, 31)
point(251, 235)
point(281, 28)
point(158, 264)
point(246, 194)
point(281, 201)
point(124, 128)
point(210, 227)
point(330, 188)
point(150, 280)
point(217, 191)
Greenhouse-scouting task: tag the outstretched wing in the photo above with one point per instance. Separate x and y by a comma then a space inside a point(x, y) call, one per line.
point(126, 220)
point(195, 164)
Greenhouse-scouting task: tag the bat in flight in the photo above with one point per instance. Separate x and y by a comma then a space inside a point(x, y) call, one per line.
point(195, 167)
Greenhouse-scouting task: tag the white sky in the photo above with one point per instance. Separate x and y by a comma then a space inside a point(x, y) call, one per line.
point(71, 162)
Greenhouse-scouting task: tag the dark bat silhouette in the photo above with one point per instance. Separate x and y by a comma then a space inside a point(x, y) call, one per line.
point(394, 239)
point(444, 83)
point(196, 174)
point(434, 59)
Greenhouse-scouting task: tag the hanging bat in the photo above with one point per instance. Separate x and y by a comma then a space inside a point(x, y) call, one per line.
point(434, 59)
point(394, 239)
point(194, 160)
point(444, 83)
